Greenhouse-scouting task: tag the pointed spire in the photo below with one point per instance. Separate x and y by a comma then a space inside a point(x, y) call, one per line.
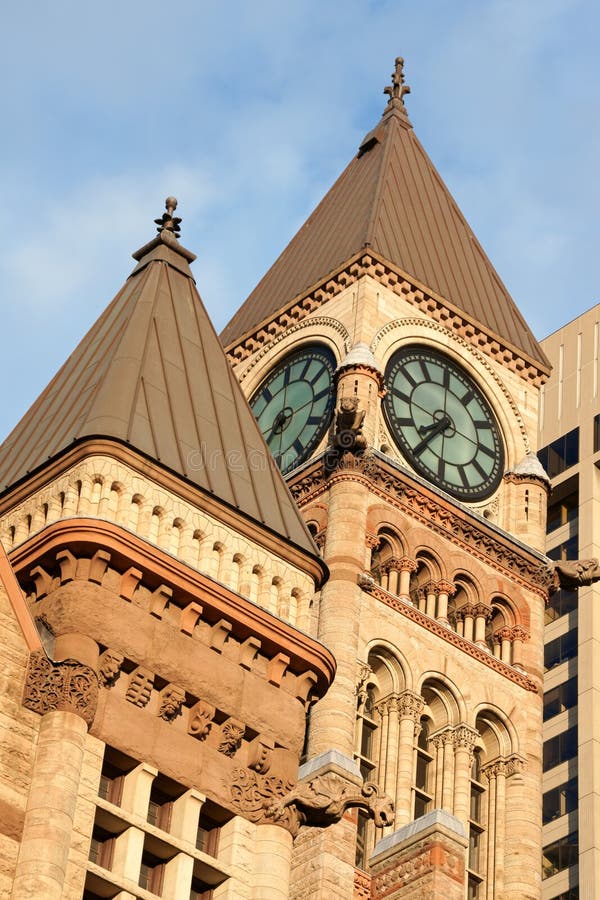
point(151, 378)
point(397, 89)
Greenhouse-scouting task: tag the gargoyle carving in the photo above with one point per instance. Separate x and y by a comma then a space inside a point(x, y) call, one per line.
point(324, 800)
point(574, 573)
point(348, 426)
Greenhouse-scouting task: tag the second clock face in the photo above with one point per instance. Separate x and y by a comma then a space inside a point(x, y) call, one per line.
point(294, 405)
point(442, 423)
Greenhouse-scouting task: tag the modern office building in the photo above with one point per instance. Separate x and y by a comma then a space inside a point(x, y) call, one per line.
point(570, 442)
point(192, 600)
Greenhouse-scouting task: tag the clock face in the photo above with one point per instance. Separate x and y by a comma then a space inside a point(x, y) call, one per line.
point(294, 405)
point(442, 423)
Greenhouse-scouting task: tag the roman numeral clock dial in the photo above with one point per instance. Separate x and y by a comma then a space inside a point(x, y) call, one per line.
point(294, 405)
point(442, 423)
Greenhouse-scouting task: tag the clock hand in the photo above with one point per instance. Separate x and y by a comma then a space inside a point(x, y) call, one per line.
point(431, 431)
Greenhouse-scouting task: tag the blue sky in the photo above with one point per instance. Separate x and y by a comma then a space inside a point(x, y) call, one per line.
point(247, 112)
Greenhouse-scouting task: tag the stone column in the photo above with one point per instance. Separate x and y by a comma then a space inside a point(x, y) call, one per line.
point(468, 622)
point(66, 695)
point(495, 773)
point(482, 614)
point(407, 567)
point(448, 770)
point(410, 709)
point(464, 745)
point(522, 830)
point(445, 590)
point(431, 601)
point(505, 635)
point(519, 636)
point(272, 853)
point(333, 717)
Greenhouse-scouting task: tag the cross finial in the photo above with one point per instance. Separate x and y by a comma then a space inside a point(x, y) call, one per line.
point(169, 222)
point(397, 89)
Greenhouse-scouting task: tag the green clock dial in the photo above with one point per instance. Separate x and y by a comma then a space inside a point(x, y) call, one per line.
point(294, 405)
point(442, 423)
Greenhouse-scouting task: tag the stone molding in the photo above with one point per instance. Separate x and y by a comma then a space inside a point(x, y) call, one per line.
point(452, 320)
point(417, 502)
point(68, 685)
point(483, 656)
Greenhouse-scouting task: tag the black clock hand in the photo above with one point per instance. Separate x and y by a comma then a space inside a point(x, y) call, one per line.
point(430, 431)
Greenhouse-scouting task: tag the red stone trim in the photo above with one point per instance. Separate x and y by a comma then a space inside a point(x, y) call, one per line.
point(434, 306)
point(16, 598)
point(159, 569)
point(451, 637)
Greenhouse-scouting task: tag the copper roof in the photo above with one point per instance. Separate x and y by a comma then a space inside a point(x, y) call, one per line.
point(151, 374)
point(391, 200)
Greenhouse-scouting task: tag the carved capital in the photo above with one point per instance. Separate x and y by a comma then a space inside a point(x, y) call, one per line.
point(407, 564)
point(446, 587)
point(372, 541)
point(465, 738)
point(520, 634)
point(68, 685)
point(411, 705)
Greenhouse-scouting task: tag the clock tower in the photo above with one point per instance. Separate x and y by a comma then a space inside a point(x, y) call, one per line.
point(396, 384)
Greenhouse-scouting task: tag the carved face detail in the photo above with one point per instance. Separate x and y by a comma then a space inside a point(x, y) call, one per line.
point(110, 666)
point(172, 699)
point(349, 404)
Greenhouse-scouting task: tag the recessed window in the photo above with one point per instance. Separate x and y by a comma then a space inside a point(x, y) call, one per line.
point(561, 454)
point(559, 801)
point(560, 748)
point(560, 649)
point(476, 831)
point(423, 773)
point(560, 698)
point(151, 873)
point(560, 855)
point(101, 847)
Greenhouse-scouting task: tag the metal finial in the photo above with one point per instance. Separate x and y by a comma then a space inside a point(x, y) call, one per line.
point(169, 222)
point(397, 89)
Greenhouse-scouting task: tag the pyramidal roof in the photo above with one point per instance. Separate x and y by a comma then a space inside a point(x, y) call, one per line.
point(151, 374)
point(391, 201)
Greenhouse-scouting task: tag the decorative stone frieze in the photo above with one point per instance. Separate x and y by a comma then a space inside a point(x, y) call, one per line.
point(252, 794)
point(466, 533)
point(467, 646)
point(410, 705)
point(440, 316)
point(68, 685)
point(465, 738)
point(260, 754)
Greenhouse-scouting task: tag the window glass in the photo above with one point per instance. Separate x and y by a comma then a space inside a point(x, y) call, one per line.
point(560, 649)
point(561, 454)
point(559, 801)
point(560, 603)
point(560, 855)
point(560, 748)
point(560, 698)
point(562, 511)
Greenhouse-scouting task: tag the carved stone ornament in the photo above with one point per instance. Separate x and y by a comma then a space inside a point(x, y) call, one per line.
point(200, 720)
point(172, 699)
point(68, 685)
point(109, 665)
point(324, 800)
point(232, 733)
point(348, 426)
point(571, 574)
point(140, 687)
point(253, 794)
